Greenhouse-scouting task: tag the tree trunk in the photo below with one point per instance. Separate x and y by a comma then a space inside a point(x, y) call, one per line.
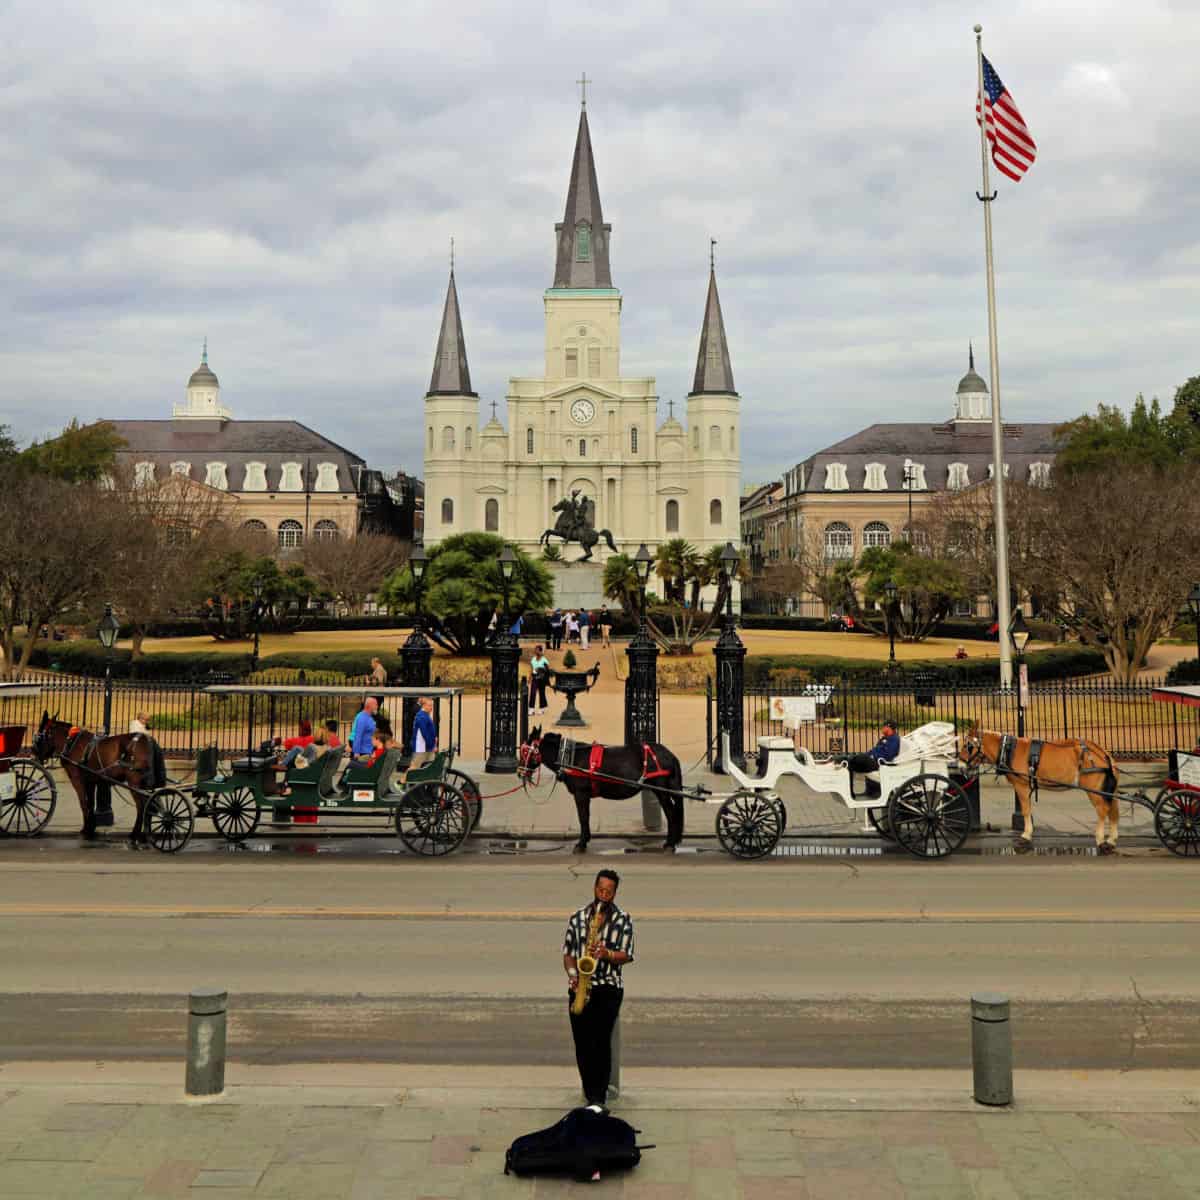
point(137, 638)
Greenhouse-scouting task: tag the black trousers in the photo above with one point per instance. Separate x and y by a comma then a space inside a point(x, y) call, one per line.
point(863, 764)
point(592, 1031)
point(537, 691)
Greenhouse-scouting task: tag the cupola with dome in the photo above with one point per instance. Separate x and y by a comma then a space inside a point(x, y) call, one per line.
point(203, 395)
point(972, 402)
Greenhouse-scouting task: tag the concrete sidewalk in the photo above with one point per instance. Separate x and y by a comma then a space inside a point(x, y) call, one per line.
point(125, 1131)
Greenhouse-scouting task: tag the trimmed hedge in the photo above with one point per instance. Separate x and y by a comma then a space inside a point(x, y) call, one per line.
point(1062, 662)
point(88, 658)
point(312, 622)
point(1187, 670)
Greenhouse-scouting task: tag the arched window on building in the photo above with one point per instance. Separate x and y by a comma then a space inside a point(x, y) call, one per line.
point(714, 512)
point(917, 538)
point(529, 440)
point(447, 511)
point(326, 531)
point(876, 533)
point(583, 243)
point(572, 362)
point(431, 437)
point(583, 447)
point(254, 526)
point(448, 437)
point(672, 516)
point(732, 439)
point(839, 541)
point(695, 437)
point(714, 437)
point(491, 515)
point(467, 438)
point(290, 534)
point(633, 440)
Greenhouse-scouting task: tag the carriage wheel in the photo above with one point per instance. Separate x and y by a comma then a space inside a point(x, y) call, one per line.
point(470, 791)
point(929, 816)
point(235, 813)
point(1177, 822)
point(169, 820)
point(750, 824)
point(433, 819)
point(879, 821)
point(28, 810)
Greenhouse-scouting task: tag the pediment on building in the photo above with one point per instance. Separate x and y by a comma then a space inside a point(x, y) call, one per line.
point(574, 388)
point(672, 489)
point(490, 489)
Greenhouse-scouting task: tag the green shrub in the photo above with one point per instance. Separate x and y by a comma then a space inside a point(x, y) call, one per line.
point(569, 660)
point(1187, 670)
point(291, 675)
point(88, 658)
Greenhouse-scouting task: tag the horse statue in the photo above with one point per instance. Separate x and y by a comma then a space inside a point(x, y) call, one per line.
point(133, 760)
point(612, 773)
point(573, 526)
point(1029, 764)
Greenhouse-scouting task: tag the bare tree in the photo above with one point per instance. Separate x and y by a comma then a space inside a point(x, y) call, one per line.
point(1113, 556)
point(348, 570)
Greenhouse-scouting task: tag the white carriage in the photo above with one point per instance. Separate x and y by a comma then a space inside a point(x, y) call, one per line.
point(916, 802)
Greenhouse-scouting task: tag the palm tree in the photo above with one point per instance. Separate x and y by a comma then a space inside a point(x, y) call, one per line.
point(677, 561)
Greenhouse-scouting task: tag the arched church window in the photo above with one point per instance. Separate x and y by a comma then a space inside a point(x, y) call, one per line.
point(572, 362)
point(633, 439)
point(431, 437)
point(583, 447)
point(839, 541)
point(326, 531)
point(876, 533)
point(467, 438)
point(290, 534)
point(529, 440)
point(448, 437)
point(447, 511)
point(696, 437)
point(714, 437)
point(672, 516)
point(714, 512)
point(491, 515)
point(732, 439)
point(583, 243)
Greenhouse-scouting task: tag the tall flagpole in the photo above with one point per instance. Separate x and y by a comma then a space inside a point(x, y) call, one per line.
point(1000, 521)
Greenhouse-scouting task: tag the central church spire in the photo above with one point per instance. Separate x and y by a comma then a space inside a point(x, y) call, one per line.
point(582, 258)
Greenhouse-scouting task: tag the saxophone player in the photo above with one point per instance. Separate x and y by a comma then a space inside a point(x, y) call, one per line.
point(603, 933)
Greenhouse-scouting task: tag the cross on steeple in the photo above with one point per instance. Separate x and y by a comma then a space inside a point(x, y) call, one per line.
point(452, 256)
point(204, 352)
point(671, 408)
point(583, 82)
point(493, 410)
point(712, 253)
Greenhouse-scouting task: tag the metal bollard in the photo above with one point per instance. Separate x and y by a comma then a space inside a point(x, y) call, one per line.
point(991, 1048)
point(614, 1078)
point(206, 1042)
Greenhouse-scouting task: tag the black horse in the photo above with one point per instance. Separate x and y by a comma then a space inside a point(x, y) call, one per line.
point(612, 773)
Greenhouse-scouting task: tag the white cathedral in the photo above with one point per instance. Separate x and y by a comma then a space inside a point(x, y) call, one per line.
point(583, 427)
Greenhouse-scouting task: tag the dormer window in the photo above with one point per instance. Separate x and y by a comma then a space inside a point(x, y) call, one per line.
point(256, 477)
point(143, 474)
point(1039, 474)
point(914, 476)
point(291, 480)
point(958, 477)
point(182, 469)
point(583, 243)
point(215, 476)
point(327, 477)
point(992, 470)
point(876, 477)
point(835, 478)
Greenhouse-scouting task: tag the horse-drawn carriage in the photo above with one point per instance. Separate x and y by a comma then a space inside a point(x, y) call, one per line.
point(27, 791)
point(433, 806)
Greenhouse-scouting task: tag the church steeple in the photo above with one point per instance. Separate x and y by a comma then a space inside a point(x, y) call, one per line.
point(714, 371)
point(451, 375)
point(582, 258)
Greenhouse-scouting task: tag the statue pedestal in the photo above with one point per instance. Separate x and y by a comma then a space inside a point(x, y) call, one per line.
point(580, 585)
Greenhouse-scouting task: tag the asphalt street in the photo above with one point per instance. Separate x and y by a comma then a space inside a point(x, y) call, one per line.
point(792, 964)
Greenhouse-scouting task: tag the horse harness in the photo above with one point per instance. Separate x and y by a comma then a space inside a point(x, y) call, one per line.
point(124, 760)
point(596, 757)
point(1004, 757)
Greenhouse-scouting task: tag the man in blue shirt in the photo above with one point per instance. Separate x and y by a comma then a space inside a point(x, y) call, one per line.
point(363, 729)
point(424, 731)
point(885, 750)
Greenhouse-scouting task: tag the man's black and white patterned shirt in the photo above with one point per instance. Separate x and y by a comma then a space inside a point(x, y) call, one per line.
point(615, 934)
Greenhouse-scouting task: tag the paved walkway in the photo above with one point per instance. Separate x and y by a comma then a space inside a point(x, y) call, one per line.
point(422, 1132)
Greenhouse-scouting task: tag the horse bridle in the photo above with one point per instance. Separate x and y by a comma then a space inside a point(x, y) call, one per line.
point(974, 756)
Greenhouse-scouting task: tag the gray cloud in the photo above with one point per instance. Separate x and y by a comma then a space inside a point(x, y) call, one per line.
point(285, 178)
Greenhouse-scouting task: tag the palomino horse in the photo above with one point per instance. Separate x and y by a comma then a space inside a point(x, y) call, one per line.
point(593, 770)
point(130, 759)
point(1068, 763)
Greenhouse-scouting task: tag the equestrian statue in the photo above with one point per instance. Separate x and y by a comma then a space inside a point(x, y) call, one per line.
point(573, 526)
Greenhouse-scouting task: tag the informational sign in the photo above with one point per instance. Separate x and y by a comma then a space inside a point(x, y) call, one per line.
point(793, 710)
point(8, 786)
point(363, 795)
point(1188, 766)
point(1023, 684)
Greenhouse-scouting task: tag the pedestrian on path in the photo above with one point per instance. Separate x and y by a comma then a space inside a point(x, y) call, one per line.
point(606, 623)
point(556, 629)
point(585, 628)
point(539, 676)
point(604, 932)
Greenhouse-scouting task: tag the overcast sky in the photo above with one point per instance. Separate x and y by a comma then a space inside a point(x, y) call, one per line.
point(285, 179)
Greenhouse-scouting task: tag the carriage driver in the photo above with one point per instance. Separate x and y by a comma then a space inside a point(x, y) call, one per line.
point(884, 751)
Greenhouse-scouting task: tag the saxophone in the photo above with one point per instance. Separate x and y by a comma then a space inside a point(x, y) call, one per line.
point(587, 962)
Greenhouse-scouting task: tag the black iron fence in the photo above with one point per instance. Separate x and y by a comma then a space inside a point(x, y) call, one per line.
point(841, 716)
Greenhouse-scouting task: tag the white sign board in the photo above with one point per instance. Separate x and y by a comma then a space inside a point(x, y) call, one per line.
point(793, 710)
point(363, 795)
point(1188, 768)
point(8, 786)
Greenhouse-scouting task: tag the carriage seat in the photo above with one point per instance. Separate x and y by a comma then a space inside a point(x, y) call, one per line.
point(330, 761)
point(253, 762)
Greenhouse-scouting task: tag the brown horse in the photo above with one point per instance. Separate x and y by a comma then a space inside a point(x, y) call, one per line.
point(130, 759)
point(1068, 763)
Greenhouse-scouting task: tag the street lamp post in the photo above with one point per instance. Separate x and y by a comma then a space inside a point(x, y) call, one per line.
point(641, 687)
point(106, 632)
point(730, 654)
point(256, 588)
point(416, 654)
point(1019, 634)
point(1194, 604)
point(506, 658)
point(890, 590)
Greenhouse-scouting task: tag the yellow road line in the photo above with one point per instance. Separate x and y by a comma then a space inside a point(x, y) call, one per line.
point(1188, 916)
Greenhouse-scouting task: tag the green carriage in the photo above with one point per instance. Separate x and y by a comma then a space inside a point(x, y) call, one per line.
point(433, 806)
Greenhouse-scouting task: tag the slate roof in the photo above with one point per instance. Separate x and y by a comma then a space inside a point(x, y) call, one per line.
point(583, 206)
point(935, 446)
point(714, 373)
point(236, 443)
point(451, 375)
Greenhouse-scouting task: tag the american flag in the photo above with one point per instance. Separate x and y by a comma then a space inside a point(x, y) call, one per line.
point(1013, 150)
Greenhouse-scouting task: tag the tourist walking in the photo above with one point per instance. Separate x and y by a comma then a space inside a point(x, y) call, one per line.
point(585, 628)
point(556, 629)
point(424, 733)
point(604, 933)
point(572, 627)
point(606, 624)
point(539, 676)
